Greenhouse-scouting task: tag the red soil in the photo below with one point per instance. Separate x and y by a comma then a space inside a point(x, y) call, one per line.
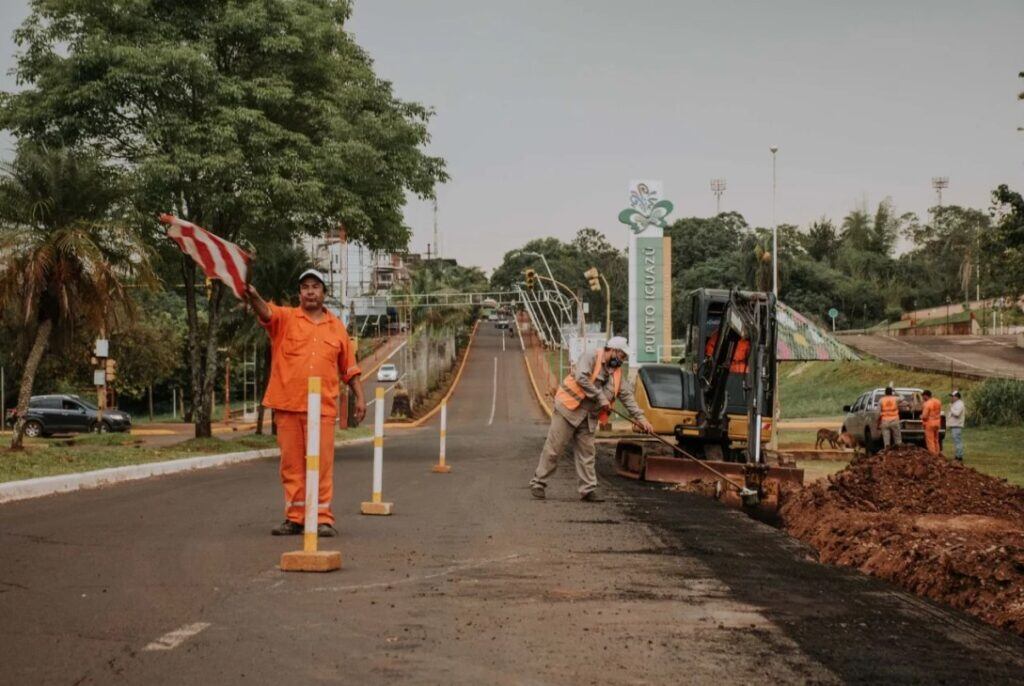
point(935, 527)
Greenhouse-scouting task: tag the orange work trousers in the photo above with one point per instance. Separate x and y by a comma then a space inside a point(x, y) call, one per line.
point(291, 438)
point(931, 438)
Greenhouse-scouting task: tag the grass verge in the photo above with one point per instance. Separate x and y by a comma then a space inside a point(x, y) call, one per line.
point(87, 452)
point(820, 389)
point(993, 450)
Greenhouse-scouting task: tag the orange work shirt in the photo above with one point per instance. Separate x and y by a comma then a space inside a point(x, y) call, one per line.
point(739, 357)
point(931, 413)
point(890, 408)
point(301, 348)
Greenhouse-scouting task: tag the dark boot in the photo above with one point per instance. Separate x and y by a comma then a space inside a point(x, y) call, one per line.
point(537, 492)
point(326, 531)
point(287, 528)
point(591, 497)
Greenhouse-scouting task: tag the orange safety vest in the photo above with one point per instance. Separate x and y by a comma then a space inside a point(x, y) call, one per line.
point(931, 413)
point(571, 395)
point(890, 408)
point(739, 357)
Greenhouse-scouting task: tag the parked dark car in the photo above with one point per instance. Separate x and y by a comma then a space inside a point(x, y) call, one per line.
point(862, 418)
point(56, 414)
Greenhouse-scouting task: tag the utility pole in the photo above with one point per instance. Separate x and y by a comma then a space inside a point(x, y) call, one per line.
point(437, 245)
point(718, 188)
point(775, 233)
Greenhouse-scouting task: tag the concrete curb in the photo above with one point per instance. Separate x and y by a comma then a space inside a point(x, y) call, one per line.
point(65, 483)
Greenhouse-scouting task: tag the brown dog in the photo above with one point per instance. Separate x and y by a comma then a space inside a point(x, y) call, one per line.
point(827, 435)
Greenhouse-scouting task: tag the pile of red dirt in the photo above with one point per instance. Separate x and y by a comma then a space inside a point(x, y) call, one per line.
point(935, 527)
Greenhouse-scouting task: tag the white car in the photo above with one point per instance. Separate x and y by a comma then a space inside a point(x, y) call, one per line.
point(387, 372)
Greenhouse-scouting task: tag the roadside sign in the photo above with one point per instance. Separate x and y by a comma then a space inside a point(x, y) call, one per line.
point(102, 348)
point(99, 377)
point(833, 312)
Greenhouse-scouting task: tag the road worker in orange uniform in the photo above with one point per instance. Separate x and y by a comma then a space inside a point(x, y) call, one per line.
point(738, 364)
point(585, 400)
point(889, 418)
point(931, 419)
point(306, 341)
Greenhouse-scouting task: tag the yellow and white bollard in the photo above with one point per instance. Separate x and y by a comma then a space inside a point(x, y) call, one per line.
point(309, 559)
point(376, 506)
point(441, 467)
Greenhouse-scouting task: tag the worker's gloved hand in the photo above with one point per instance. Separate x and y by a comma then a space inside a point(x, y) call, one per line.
point(646, 426)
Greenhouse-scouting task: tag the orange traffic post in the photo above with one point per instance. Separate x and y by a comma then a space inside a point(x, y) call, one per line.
point(441, 467)
point(309, 559)
point(377, 506)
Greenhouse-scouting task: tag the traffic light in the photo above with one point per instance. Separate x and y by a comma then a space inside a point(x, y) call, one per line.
point(111, 369)
point(592, 278)
point(531, 277)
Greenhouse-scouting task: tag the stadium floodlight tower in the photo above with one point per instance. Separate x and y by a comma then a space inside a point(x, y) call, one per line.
point(938, 183)
point(718, 188)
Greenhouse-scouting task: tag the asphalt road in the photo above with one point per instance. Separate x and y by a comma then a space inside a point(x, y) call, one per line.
point(980, 356)
point(471, 581)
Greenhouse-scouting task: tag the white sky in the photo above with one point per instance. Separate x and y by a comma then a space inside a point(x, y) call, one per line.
point(546, 109)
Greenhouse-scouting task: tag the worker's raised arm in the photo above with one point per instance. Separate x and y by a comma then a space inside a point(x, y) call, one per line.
point(259, 305)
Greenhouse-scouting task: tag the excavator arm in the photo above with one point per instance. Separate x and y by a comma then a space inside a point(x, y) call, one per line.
point(751, 319)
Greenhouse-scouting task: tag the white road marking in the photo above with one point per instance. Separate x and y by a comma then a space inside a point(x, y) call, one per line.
point(502, 340)
point(173, 639)
point(387, 390)
point(494, 396)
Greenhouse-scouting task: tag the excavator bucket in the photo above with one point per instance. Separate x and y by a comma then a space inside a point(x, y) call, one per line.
point(647, 460)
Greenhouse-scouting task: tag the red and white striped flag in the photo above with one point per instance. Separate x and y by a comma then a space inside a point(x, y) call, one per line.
point(218, 258)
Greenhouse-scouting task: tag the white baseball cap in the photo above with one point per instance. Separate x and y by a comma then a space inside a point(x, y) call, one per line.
point(619, 343)
point(315, 274)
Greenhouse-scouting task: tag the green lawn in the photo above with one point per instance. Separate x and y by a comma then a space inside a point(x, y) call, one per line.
point(820, 389)
point(86, 452)
point(994, 450)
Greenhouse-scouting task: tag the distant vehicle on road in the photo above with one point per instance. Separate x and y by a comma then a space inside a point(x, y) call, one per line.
point(387, 372)
point(504, 324)
point(55, 414)
point(862, 418)
point(492, 316)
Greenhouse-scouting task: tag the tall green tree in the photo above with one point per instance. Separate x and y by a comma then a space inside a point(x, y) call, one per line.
point(65, 260)
point(258, 119)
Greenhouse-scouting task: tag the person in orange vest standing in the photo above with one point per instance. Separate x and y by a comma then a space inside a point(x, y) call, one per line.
point(306, 341)
point(585, 399)
point(931, 418)
point(889, 418)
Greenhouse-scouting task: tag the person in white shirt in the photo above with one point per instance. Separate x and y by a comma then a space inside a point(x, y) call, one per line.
point(955, 424)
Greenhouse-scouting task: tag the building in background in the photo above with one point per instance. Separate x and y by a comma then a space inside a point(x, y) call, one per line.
point(359, 279)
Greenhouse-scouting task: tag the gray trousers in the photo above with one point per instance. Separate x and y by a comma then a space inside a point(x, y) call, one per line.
point(891, 433)
point(560, 435)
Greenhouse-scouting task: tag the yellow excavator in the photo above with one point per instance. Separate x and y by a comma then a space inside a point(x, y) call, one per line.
point(716, 403)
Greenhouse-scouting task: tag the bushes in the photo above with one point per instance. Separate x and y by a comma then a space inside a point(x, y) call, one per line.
point(997, 402)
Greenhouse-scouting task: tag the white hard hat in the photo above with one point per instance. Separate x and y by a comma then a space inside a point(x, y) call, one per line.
point(619, 343)
point(315, 274)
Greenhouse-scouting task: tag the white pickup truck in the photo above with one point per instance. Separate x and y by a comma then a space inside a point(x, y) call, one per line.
point(862, 418)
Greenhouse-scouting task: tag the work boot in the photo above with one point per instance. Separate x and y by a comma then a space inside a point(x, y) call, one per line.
point(591, 497)
point(537, 492)
point(287, 528)
point(326, 531)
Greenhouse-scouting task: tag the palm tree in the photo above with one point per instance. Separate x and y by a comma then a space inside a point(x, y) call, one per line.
point(63, 262)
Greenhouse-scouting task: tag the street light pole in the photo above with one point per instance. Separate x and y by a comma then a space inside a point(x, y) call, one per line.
point(775, 231)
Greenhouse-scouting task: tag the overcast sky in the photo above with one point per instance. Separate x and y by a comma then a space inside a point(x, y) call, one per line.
point(546, 109)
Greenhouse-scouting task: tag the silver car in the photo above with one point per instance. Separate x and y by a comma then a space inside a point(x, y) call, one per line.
point(387, 372)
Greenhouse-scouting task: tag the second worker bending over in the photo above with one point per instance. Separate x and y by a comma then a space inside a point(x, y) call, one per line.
point(585, 399)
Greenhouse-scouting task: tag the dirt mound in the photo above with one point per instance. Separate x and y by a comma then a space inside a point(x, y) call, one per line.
point(937, 528)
